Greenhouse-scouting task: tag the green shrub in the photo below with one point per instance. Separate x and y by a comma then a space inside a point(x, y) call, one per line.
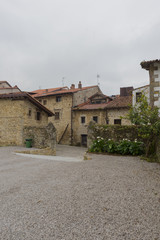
point(137, 148)
point(98, 145)
point(124, 147)
point(110, 146)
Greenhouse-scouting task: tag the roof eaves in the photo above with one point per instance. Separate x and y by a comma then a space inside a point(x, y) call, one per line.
point(37, 103)
point(146, 64)
point(22, 95)
point(145, 86)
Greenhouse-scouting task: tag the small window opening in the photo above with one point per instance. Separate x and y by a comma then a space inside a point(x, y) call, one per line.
point(83, 119)
point(95, 118)
point(38, 116)
point(138, 96)
point(29, 112)
point(58, 99)
point(117, 121)
point(57, 115)
point(44, 102)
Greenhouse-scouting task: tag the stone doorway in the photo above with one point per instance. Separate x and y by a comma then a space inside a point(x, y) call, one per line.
point(84, 140)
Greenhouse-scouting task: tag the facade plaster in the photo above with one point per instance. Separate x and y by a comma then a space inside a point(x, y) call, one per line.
point(145, 90)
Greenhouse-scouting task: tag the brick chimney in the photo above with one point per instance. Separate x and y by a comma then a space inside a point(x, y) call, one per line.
point(72, 86)
point(80, 85)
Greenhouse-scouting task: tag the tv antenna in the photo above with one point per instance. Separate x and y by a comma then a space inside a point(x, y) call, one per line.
point(63, 81)
point(98, 77)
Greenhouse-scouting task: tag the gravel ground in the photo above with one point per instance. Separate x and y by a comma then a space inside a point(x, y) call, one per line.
point(108, 197)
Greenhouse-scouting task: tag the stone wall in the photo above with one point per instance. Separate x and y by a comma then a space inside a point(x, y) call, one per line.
point(42, 137)
point(64, 108)
point(115, 132)
point(11, 130)
point(81, 128)
point(82, 96)
point(14, 116)
point(113, 114)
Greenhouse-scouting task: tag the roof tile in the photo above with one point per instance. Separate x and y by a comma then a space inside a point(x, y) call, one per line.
point(57, 91)
point(120, 102)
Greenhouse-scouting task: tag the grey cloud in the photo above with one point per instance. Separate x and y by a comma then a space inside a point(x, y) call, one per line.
point(43, 41)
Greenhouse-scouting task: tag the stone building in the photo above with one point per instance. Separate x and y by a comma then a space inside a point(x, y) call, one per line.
point(153, 67)
point(118, 109)
point(101, 109)
point(19, 114)
point(5, 87)
point(92, 110)
point(61, 101)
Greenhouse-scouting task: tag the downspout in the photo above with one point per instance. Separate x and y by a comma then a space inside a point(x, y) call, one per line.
point(107, 120)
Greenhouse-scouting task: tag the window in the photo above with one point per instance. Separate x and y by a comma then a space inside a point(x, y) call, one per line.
point(117, 121)
point(95, 118)
point(95, 101)
point(57, 115)
point(44, 102)
point(40, 100)
point(58, 99)
point(107, 121)
point(38, 116)
point(138, 96)
point(83, 119)
point(29, 112)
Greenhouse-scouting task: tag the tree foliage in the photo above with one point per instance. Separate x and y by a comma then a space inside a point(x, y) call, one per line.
point(148, 120)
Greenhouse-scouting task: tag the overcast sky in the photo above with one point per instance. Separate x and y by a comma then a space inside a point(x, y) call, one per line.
point(43, 42)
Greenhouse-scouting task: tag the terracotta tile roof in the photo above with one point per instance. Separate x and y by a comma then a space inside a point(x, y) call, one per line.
point(90, 106)
point(120, 102)
point(146, 64)
point(25, 95)
point(49, 90)
point(57, 91)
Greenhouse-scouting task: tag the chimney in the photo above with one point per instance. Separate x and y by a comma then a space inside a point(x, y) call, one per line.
point(126, 91)
point(72, 86)
point(80, 85)
point(46, 90)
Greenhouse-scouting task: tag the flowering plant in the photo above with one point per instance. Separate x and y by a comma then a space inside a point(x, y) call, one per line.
point(124, 147)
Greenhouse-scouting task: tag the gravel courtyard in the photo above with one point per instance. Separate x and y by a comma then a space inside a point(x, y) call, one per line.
point(107, 197)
